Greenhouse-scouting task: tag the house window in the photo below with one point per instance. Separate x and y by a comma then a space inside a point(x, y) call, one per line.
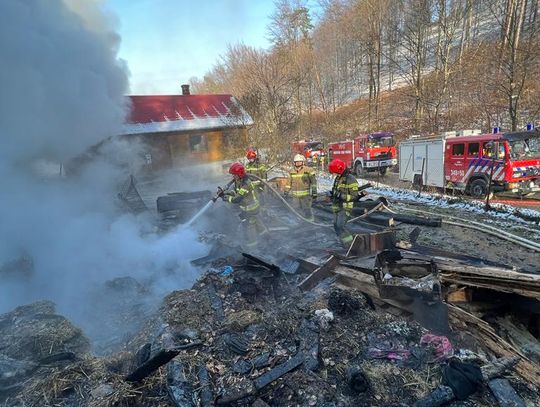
point(458, 149)
point(197, 143)
point(474, 149)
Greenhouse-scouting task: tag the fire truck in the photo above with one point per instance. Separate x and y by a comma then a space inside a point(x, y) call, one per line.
point(312, 150)
point(366, 152)
point(468, 160)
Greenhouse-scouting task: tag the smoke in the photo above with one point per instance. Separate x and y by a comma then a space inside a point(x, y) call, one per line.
point(62, 91)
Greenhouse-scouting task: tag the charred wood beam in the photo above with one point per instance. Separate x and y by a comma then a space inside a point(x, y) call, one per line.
point(381, 219)
point(246, 366)
point(319, 274)
point(272, 375)
point(251, 388)
point(272, 267)
point(143, 354)
point(161, 358)
point(442, 256)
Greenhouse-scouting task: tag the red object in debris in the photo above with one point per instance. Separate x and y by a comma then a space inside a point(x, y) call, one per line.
point(251, 155)
point(336, 166)
point(237, 169)
point(443, 347)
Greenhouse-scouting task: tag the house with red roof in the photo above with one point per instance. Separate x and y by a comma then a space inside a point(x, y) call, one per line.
point(179, 129)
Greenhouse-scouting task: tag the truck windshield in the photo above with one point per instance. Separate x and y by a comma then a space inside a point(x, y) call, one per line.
point(313, 146)
point(525, 148)
point(387, 141)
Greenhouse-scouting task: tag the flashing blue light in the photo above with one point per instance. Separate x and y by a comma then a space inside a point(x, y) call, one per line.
point(496, 130)
point(530, 126)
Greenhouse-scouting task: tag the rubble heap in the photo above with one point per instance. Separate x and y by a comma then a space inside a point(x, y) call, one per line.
point(249, 336)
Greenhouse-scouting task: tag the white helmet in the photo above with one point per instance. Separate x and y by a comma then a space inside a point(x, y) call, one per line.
point(299, 157)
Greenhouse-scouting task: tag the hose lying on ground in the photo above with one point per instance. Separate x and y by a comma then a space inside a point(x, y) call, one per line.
point(482, 227)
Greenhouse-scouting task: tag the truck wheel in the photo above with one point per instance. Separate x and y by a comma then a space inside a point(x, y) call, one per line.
point(382, 170)
point(478, 188)
point(358, 170)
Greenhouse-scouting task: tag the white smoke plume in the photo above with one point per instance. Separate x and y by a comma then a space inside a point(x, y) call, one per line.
point(62, 90)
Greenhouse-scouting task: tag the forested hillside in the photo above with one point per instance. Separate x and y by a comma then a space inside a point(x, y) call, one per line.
point(410, 66)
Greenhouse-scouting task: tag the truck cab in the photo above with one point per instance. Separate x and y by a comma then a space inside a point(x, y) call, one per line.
point(366, 152)
point(312, 150)
point(510, 160)
point(374, 152)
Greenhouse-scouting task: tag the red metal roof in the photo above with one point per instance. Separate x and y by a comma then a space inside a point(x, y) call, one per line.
point(148, 109)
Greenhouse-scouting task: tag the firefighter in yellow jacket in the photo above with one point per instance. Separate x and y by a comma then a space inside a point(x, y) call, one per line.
point(344, 193)
point(255, 167)
point(302, 186)
point(244, 194)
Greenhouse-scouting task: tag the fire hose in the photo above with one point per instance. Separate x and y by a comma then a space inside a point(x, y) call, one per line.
point(482, 227)
point(295, 212)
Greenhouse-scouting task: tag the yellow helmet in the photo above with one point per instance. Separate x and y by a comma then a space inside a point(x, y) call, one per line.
point(299, 157)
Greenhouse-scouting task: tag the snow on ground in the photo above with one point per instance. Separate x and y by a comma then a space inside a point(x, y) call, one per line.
point(505, 216)
point(523, 221)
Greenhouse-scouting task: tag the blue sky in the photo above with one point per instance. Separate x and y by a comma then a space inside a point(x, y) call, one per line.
point(166, 42)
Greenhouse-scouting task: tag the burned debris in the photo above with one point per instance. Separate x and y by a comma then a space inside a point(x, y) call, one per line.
point(386, 322)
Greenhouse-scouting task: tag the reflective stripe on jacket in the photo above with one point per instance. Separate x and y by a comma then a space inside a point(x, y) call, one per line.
point(344, 192)
point(302, 182)
point(244, 195)
point(257, 169)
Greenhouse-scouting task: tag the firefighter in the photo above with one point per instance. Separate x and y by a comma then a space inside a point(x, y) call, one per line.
point(344, 193)
point(244, 194)
point(316, 161)
point(322, 160)
point(302, 186)
point(254, 167)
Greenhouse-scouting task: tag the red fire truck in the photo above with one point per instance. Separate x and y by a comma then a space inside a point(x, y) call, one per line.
point(467, 160)
point(366, 152)
point(312, 150)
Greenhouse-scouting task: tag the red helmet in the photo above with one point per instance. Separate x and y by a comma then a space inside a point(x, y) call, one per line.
point(251, 154)
point(336, 166)
point(237, 169)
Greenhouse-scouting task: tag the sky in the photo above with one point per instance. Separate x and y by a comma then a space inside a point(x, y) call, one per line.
point(166, 42)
